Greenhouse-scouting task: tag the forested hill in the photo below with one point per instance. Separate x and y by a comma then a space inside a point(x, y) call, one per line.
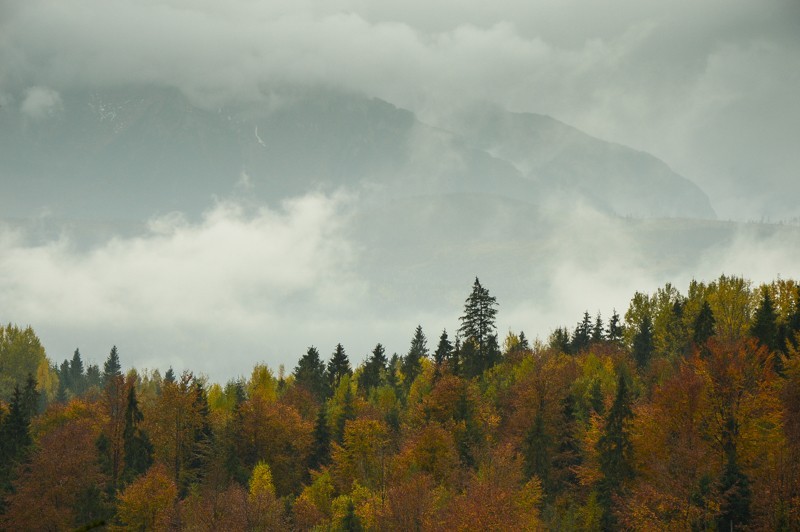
point(680, 412)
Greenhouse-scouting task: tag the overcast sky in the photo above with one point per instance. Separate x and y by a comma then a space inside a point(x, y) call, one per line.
point(710, 87)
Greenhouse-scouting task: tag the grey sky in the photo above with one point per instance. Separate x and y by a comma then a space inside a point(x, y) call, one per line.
point(711, 87)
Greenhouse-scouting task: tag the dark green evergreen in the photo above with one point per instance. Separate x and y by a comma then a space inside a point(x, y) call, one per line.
point(347, 413)
point(643, 345)
point(111, 367)
point(350, 522)
point(412, 362)
point(310, 374)
point(598, 333)
point(169, 376)
point(583, 334)
point(15, 437)
point(736, 497)
point(615, 330)
point(442, 354)
point(765, 322)
point(615, 451)
point(568, 448)
point(93, 376)
point(338, 367)
point(560, 340)
point(321, 451)
point(537, 449)
point(704, 325)
point(373, 371)
point(478, 326)
point(77, 376)
point(138, 449)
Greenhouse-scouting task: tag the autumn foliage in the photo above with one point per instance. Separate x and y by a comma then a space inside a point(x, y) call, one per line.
point(684, 417)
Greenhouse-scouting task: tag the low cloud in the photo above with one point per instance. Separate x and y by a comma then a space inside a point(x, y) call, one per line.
point(711, 89)
point(226, 286)
point(40, 102)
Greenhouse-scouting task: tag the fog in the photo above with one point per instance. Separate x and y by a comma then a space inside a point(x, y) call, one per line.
point(247, 285)
point(711, 89)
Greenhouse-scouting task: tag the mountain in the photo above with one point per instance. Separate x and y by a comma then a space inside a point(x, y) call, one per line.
point(129, 153)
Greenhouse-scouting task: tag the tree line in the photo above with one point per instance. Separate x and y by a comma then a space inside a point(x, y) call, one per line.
point(684, 415)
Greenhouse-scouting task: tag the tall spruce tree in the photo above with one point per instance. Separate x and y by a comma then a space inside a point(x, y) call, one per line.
point(338, 367)
point(598, 333)
point(614, 332)
point(321, 448)
point(477, 327)
point(372, 373)
point(765, 323)
point(310, 374)
point(615, 450)
point(136, 443)
point(643, 344)
point(443, 353)
point(111, 367)
point(412, 362)
point(583, 334)
point(76, 374)
point(704, 325)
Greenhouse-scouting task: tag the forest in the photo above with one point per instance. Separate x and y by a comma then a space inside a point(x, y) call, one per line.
point(681, 414)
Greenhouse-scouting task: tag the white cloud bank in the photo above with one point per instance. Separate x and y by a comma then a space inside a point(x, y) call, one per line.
point(227, 286)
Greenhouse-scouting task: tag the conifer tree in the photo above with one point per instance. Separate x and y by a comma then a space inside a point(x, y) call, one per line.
point(15, 437)
point(704, 325)
point(111, 367)
point(615, 450)
point(412, 361)
point(338, 367)
point(643, 342)
point(372, 373)
point(348, 413)
point(477, 326)
point(537, 451)
point(321, 450)
point(310, 374)
point(138, 449)
point(169, 376)
point(598, 334)
point(765, 324)
point(443, 353)
point(583, 334)
point(76, 375)
point(93, 376)
point(614, 332)
point(560, 341)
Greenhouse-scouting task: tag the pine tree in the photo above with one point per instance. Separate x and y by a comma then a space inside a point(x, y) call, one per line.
point(583, 334)
point(568, 448)
point(478, 325)
point(598, 334)
point(93, 376)
point(704, 325)
point(643, 342)
point(169, 376)
point(76, 375)
point(765, 324)
point(443, 353)
point(111, 367)
point(348, 413)
point(736, 496)
point(138, 449)
point(412, 361)
point(559, 340)
point(537, 451)
point(338, 367)
point(321, 450)
point(310, 374)
point(614, 332)
point(615, 450)
point(372, 374)
point(15, 437)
